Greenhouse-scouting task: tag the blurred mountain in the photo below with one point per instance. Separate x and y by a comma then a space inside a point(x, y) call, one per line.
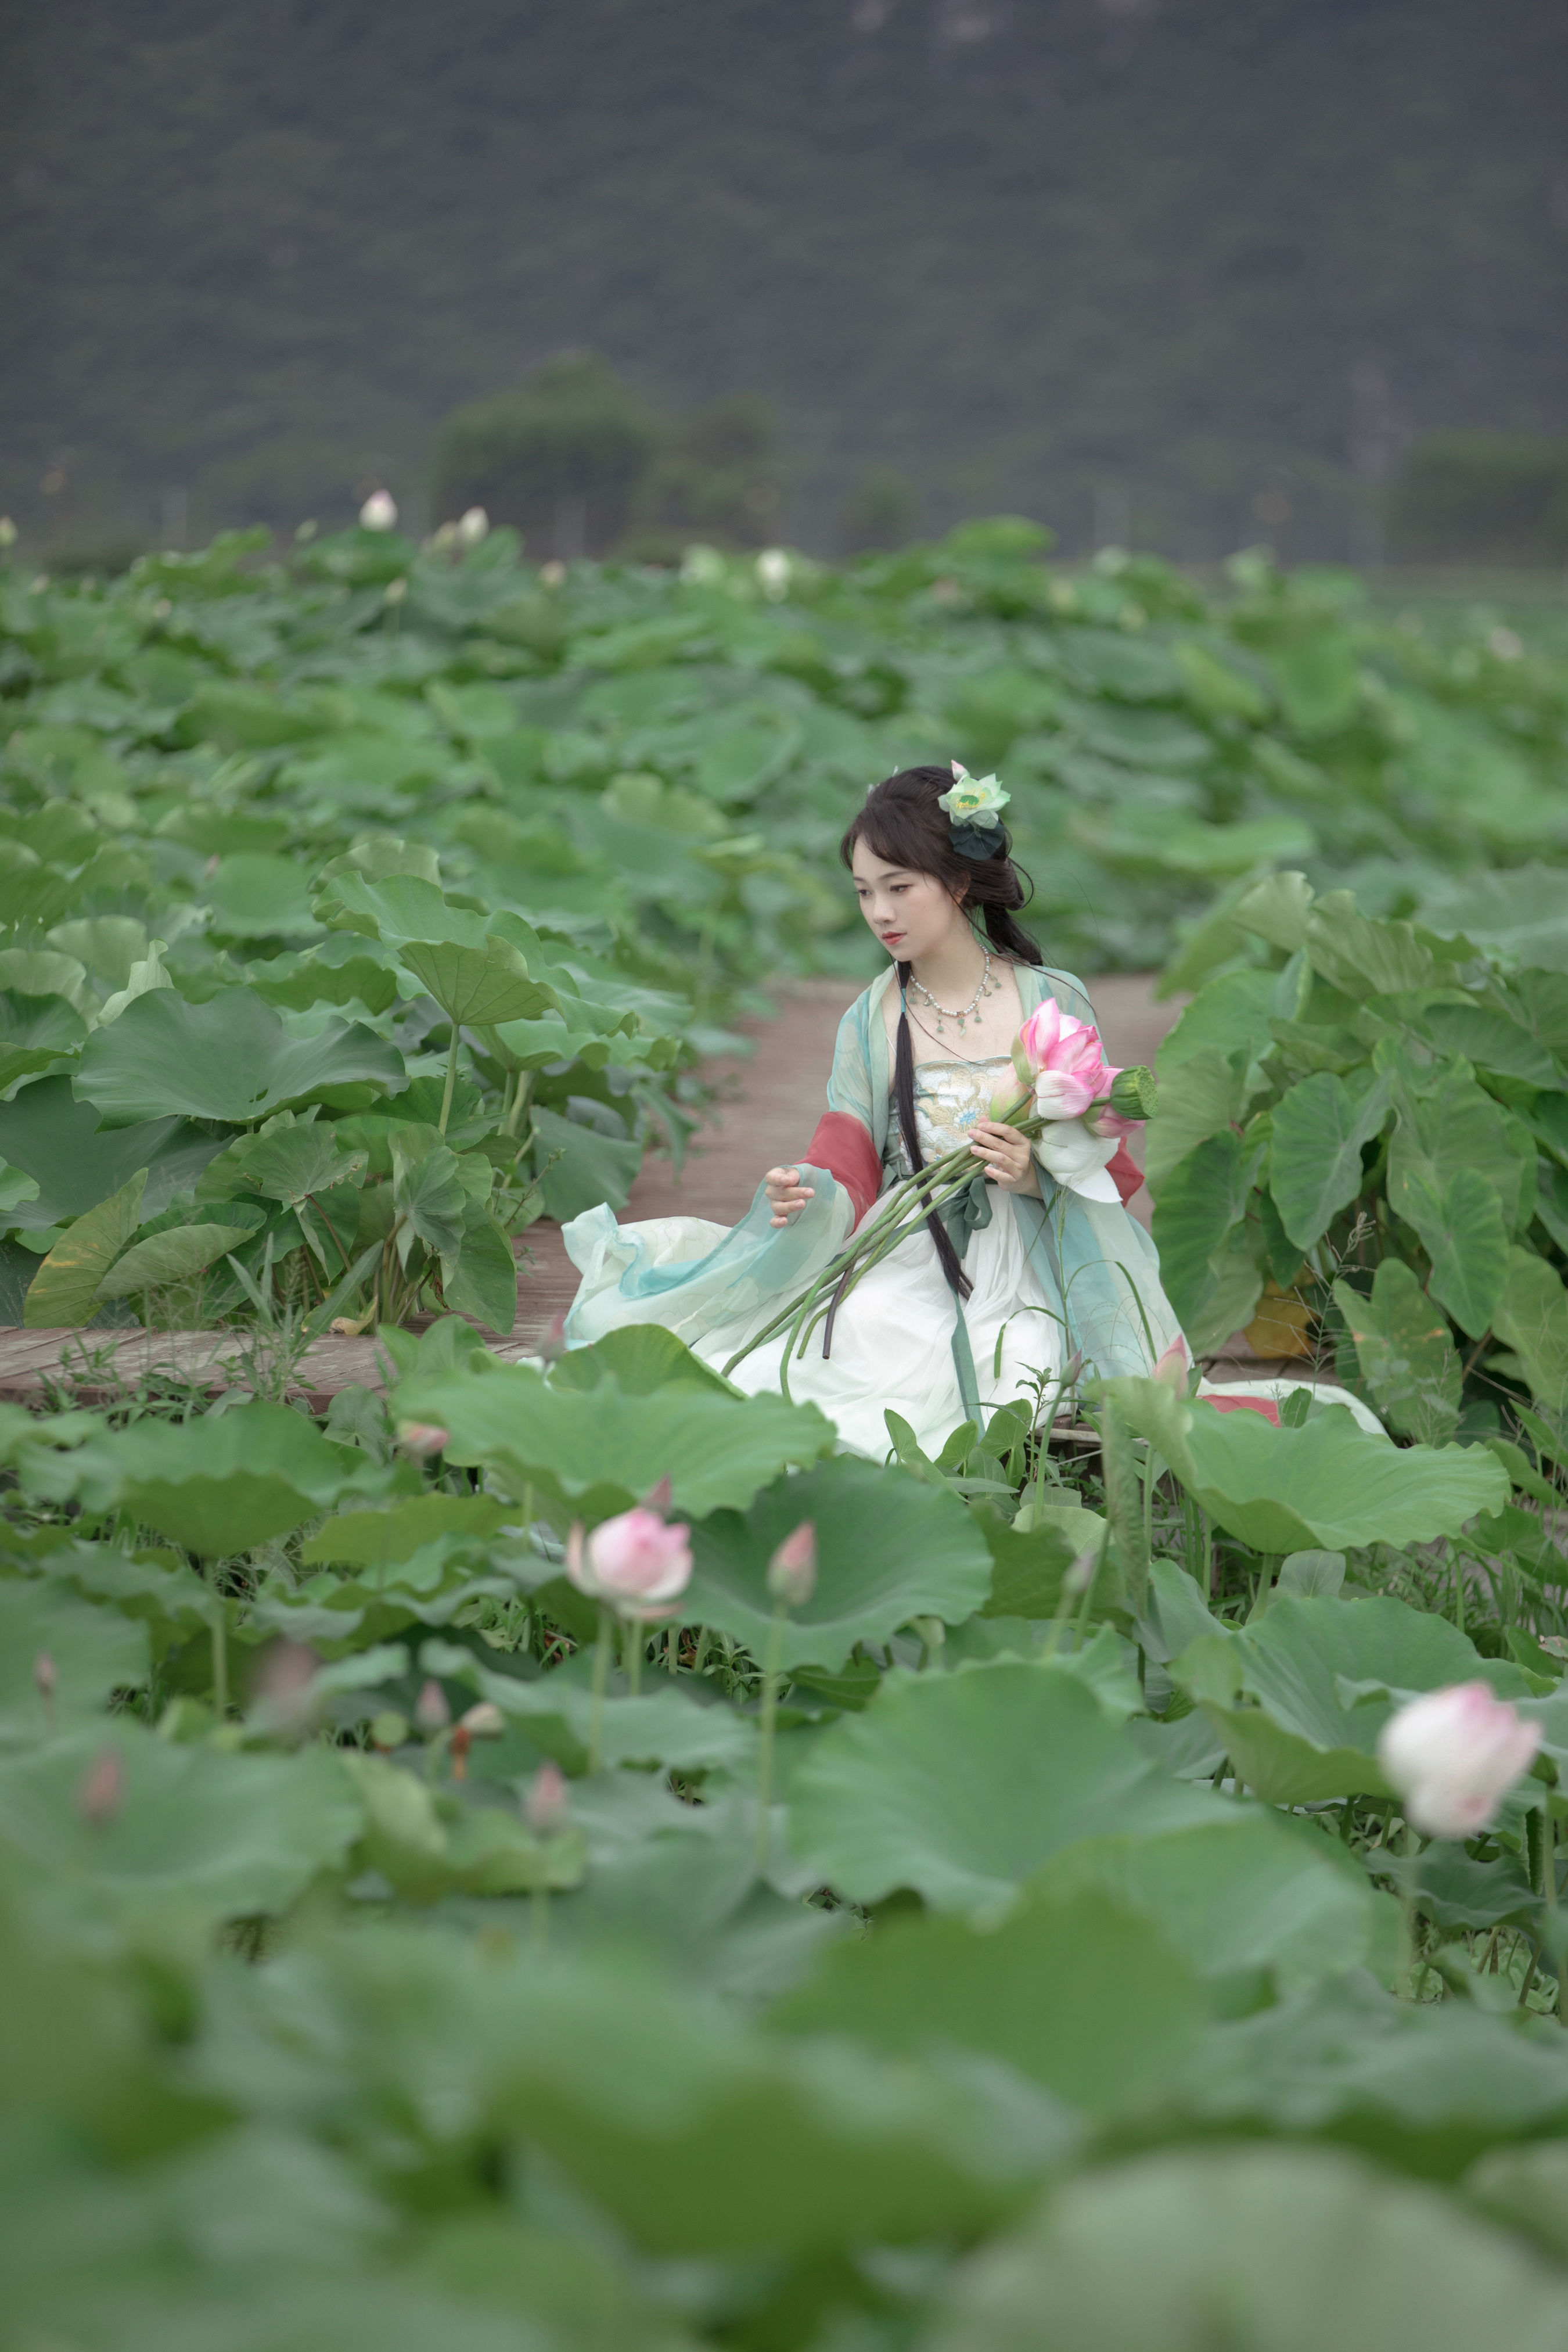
point(1186, 271)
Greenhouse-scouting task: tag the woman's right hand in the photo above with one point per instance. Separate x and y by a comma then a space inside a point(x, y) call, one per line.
point(787, 1193)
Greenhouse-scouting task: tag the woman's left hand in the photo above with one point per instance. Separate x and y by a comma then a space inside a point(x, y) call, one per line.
point(1007, 1158)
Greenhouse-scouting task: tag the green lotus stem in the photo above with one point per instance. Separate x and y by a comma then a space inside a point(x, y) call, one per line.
point(600, 1681)
point(220, 1659)
point(636, 1635)
point(538, 1917)
point(451, 1079)
point(769, 1719)
point(519, 1102)
point(902, 1209)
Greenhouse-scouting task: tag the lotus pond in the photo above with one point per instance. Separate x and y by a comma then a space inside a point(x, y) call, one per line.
point(465, 865)
point(1010, 1934)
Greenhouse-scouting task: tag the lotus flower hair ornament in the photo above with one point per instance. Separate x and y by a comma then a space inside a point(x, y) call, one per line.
point(973, 808)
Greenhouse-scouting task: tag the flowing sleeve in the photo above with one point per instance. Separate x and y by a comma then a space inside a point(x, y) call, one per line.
point(700, 1279)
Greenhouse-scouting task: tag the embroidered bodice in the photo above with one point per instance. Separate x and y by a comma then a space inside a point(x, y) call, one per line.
point(949, 1098)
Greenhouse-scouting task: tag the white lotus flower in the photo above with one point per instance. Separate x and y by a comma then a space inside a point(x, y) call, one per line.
point(379, 511)
point(472, 527)
point(1067, 1151)
point(1453, 1754)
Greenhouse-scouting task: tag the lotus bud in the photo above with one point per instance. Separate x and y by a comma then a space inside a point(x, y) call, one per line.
point(635, 1562)
point(1453, 1754)
point(553, 574)
point(443, 537)
point(394, 592)
point(1174, 1366)
point(379, 511)
point(423, 1439)
point(546, 1808)
point(552, 1347)
point(8, 531)
point(101, 1792)
point(484, 1721)
point(773, 570)
point(793, 1570)
point(45, 1678)
point(474, 526)
point(431, 1712)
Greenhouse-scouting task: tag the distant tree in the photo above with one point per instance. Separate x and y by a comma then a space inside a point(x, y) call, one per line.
point(882, 511)
point(1477, 497)
point(717, 479)
point(563, 457)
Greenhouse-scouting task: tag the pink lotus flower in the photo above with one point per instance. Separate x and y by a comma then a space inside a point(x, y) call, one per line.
point(635, 1562)
point(1453, 1754)
point(1063, 1059)
point(1174, 1366)
point(423, 1439)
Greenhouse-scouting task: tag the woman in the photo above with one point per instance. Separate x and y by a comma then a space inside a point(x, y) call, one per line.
point(971, 1312)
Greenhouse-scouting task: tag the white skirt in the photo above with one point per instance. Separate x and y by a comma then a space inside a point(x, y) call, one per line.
point(893, 1341)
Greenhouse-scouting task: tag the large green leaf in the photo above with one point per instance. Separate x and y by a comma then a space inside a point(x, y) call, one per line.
point(889, 1548)
point(1312, 1735)
point(58, 1141)
point(92, 1652)
point(1463, 1232)
point(173, 1256)
point(223, 1482)
point(1359, 954)
point(962, 1785)
point(254, 895)
point(477, 985)
point(228, 1059)
point(1262, 2249)
point(212, 1836)
point(1077, 1993)
point(1213, 1282)
point(1531, 1317)
point(480, 1277)
point(66, 1287)
point(581, 1167)
point(288, 1163)
point(1327, 1486)
point(1407, 1356)
point(601, 1449)
point(1208, 1098)
point(428, 1191)
point(1258, 1893)
point(1319, 1132)
point(1453, 1126)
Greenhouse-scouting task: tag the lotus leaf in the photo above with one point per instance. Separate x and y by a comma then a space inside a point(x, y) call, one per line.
point(889, 1548)
point(229, 1059)
point(962, 1785)
point(597, 1453)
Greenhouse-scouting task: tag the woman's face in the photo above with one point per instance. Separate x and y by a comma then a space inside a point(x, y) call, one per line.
point(911, 914)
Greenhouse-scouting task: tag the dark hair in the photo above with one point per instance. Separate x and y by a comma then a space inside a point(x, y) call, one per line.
point(901, 823)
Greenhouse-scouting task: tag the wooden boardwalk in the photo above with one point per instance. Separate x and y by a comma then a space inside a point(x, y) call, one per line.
point(766, 1107)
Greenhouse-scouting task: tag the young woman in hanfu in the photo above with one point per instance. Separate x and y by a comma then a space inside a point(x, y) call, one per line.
point(1027, 1269)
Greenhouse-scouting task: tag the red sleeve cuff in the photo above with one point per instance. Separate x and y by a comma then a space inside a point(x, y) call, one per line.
point(842, 1147)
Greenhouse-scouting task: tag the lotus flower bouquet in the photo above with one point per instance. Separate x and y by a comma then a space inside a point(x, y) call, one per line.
point(1073, 1104)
